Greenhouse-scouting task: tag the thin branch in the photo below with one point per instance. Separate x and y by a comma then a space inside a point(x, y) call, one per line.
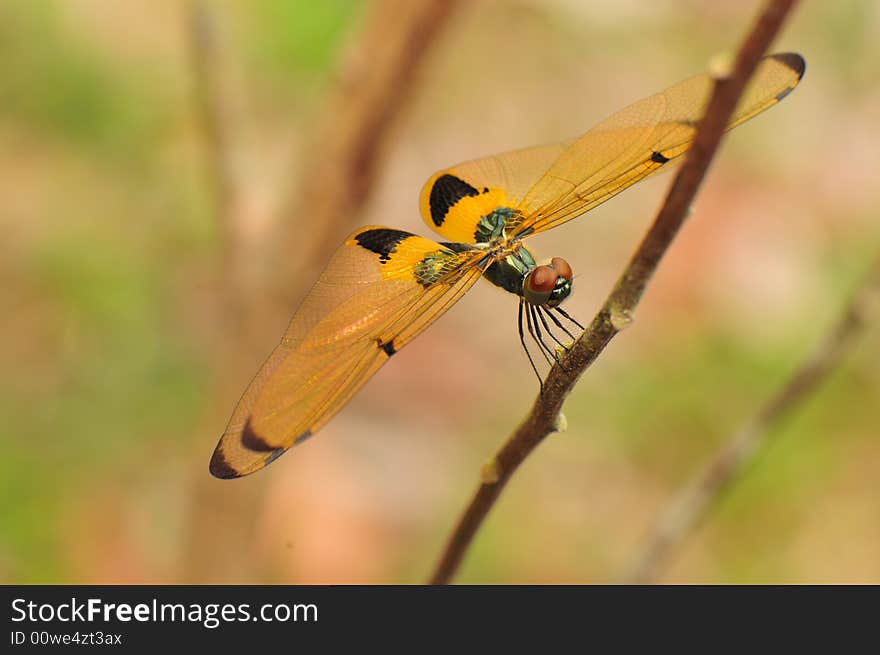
point(616, 313)
point(697, 497)
point(376, 79)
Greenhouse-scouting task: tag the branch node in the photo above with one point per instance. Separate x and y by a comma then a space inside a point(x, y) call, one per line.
point(721, 66)
point(560, 424)
point(490, 472)
point(620, 317)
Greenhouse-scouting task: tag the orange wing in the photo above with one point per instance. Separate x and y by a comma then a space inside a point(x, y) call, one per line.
point(542, 187)
point(453, 200)
point(381, 288)
point(639, 140)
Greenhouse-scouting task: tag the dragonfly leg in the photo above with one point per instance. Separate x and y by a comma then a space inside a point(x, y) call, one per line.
point(531, 325)
point(569, 317)
point(534, 310)
point(522, 340)
point(540, 311)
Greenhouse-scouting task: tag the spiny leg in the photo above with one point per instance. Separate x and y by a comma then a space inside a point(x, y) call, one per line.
point(522, 340)
point(539, 311)
point(533, 310)
point(566, 315)
point(531, 327)
point(560, 325)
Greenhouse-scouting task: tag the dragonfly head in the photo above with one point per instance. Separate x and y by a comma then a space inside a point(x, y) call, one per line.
point(548, 284)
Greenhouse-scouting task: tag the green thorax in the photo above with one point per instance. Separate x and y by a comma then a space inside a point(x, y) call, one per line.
point(491, 226)
point(509, 273)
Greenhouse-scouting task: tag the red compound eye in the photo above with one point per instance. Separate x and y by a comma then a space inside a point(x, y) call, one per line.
point(542, 279)
point(561, 267)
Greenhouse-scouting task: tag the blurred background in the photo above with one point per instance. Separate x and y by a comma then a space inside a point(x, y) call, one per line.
point(159, 164)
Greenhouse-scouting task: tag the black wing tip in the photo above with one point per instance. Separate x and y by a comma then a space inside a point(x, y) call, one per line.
point(253, 441)
point(794, 61)
point(220, 468)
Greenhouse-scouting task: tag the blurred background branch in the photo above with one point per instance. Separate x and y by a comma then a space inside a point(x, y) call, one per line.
point(696, 499)
point(373, 86)
point(369, 94)
point(617, 310)
point(211, 118)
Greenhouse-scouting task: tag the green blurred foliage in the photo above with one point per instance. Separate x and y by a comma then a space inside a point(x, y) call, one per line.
point(122, 372)
point(301, 36)
point(56, 84)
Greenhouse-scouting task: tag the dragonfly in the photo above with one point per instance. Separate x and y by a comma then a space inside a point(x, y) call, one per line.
point(384, 286)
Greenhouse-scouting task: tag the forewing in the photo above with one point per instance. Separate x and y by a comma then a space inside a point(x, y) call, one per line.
point(453, 200)
point(638, 141)
point(381, 288)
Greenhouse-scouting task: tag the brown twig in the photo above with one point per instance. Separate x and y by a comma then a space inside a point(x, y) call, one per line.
point(374, 83)
point(617, 310)
point(697, 497)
